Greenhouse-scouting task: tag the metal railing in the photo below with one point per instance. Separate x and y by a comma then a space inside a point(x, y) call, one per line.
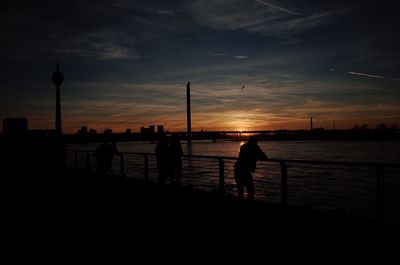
point(283, 164)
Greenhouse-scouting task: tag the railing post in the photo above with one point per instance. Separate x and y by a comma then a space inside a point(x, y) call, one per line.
point(221, 175)
point(380, 193)
point(146, 167)
point(284, 190)
point(76, 158)
point(122, 164)
point(88, 160)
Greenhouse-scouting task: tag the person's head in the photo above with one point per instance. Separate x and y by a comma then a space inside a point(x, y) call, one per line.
point(253, 139)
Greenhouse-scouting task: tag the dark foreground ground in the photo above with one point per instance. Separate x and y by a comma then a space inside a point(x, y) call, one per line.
point(79, 217)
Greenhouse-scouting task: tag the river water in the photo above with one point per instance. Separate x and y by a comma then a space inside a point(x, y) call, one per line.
point(352, 189)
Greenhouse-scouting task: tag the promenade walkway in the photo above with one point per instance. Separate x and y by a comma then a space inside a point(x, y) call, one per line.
point(80, 217)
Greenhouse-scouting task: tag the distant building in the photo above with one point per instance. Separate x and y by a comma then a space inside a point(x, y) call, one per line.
point(382, 126)
point(15, 126)
point(83, 130)
point(107, 131)
point(92, 131)
point(152, 129)
point(160, 129)
point(128, 131)
point(144, 130)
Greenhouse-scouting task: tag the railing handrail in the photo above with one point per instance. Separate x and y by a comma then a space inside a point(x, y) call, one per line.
point(283, 163)
point(278, 160)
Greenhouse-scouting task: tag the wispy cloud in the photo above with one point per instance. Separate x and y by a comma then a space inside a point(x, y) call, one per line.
point(248, 16)
point(364, 74)
point(96, 45)
point(99, 53)
point(373, 76)
point(219, 54)
point(279, 8)
point(166, 12)
point(227, 55)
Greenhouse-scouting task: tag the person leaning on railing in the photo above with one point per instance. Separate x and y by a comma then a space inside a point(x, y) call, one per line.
point(104, 154)
point(245, 167)
point(175, 154)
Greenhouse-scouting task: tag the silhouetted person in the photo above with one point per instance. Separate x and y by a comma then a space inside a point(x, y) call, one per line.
point(102, 155)
point(162, 159)
point(175, 160)
point(245, 167)
point(111, 151)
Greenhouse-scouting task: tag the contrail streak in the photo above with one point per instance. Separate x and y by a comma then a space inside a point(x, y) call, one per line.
point(367, 75)
point(279, 8)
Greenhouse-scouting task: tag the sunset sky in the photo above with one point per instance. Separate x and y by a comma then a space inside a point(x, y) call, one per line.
point(126, 63)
